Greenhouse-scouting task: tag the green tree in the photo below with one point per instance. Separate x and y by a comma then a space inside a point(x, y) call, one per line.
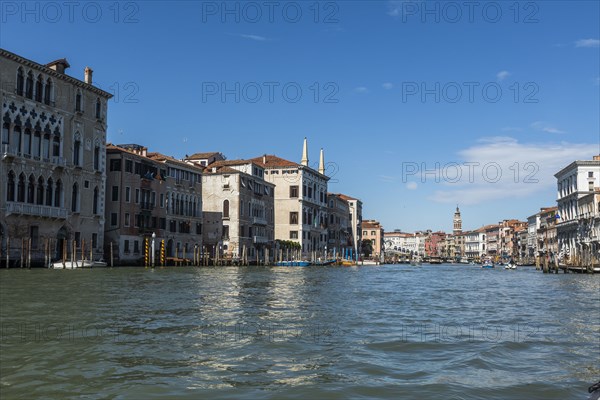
point(366, 247)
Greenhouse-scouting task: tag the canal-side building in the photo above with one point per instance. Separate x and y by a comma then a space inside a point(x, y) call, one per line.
point(204, 159)
point(135, 205)
point(589, 230)
point(339, 228)
point(475, 245)
point(574, 181)
point(533, 225)
point(491, 241)
point(435, 244)
point(53, 136)
point(300, 201)
point(238, 191)
point(356, 218)
point(373, 231)
point(547, 244)
point(183, 204)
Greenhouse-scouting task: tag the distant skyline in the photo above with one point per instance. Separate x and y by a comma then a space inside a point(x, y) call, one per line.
point(492, 99)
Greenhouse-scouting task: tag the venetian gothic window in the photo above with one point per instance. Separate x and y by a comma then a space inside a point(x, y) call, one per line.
point(58, 194)
point(10, 187)
point(95, 202)
point(40, 191)
point(20, 81)
point(77, 150)
point(39, 88)
point(49, 192)
point(75, 198)
point(29, 86)
point(21, 189)
point(78, 101)
point(48, 91)
point(98, 109)
point(31, 190)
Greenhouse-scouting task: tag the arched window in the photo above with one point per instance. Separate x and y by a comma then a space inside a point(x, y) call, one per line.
point(77, 150)
point(20, 81)
point(37, 142)
point(21, 189)
point(5, 137)
point(95, 202)
point(27, 144)
point(48, 91)
point(39, 89)
point(16, 142)
point(29, 86)
point(49, 192)
point(10, 187)
point(56, 146)
point(78, 102)
point(75, 198)
point(39, 196)
point(97, 156)
point(226, 209)
point(46, 145)
point(58, 194)
point(98, 109)
point(31, 190)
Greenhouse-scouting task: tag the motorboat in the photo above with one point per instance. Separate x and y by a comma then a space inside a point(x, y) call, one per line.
point(77, 264)
point(487, 263)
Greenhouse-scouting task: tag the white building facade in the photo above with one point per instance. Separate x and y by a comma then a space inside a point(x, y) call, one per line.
point(576, 180)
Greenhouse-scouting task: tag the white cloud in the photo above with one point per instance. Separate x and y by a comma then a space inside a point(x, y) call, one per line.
point(502, 75)
point(411, 185)
point(498, 168)
point(587, 43)
point(254, 37)
point(361, 89)
point(546, 127)
point(388, 86)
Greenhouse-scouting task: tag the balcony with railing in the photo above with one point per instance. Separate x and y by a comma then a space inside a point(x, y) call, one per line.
point(260, 239)
point(146, 206)
point(8, 153)
point(36, 210)
point(259, 221)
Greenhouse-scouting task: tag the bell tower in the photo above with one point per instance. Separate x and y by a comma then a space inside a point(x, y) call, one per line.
point(457, 229)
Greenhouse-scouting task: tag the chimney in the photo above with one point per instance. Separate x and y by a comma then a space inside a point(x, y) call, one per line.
point(264, 159)
point(88, 75)
point(597, 158)
point(322, 163)
point(304, 160)
point(59, 65)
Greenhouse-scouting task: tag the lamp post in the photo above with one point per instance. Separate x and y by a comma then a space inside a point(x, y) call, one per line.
point(153, 255)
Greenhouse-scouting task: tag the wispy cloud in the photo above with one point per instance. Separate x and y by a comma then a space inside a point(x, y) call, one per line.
point(387, 86)
point(361, 89)
point(546, 127)
point(254, 37)
point(411, 185)
point(587, 43)
point(525, 169)
point(502, 75)
point(387, 178)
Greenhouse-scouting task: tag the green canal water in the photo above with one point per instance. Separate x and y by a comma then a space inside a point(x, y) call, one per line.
point(394, 331)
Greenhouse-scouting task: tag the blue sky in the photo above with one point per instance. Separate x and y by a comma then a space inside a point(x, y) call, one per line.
point(388, 88)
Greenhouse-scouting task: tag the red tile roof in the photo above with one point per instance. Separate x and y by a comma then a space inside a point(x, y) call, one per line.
point(202, 155)
point(273, 161)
